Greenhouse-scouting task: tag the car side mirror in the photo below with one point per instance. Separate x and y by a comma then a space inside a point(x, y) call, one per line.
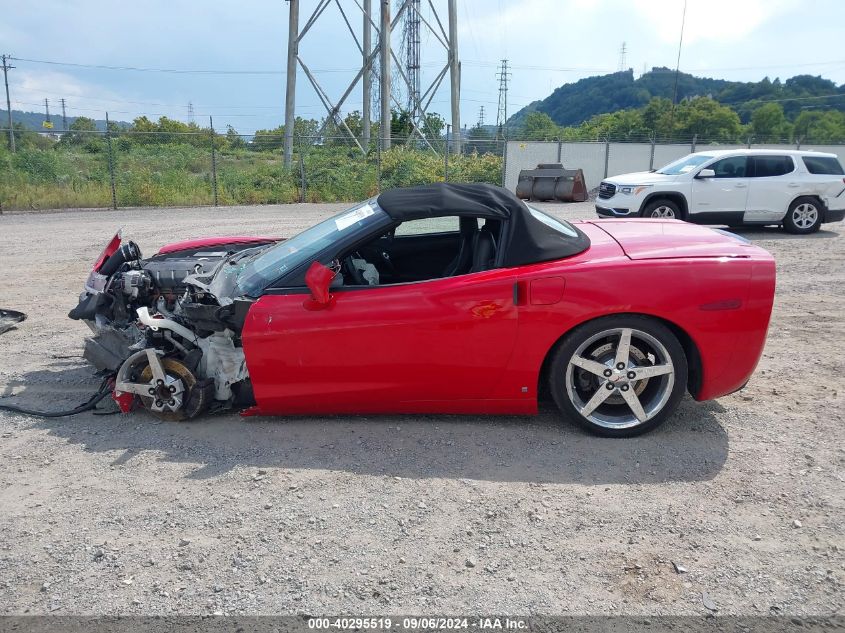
point(318, 279)
point(706, 173)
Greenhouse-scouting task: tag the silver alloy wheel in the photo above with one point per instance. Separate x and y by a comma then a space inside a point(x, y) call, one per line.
point(623, 384)
point(663, 212)
point(805, 215)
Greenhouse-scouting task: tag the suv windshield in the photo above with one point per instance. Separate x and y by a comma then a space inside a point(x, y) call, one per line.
point(684, 165)
point(269, 265)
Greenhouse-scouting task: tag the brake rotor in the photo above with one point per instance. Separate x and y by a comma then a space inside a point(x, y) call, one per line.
point(606, 353)
point(164, 404)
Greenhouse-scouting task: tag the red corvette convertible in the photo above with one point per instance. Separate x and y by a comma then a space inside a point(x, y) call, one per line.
point(447, 298)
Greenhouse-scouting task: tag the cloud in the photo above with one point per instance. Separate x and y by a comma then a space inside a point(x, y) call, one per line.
point(29, 88)
point(715, 20)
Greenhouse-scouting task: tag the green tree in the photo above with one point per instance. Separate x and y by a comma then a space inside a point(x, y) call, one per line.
point(80, 131)
point(769, 124)
point(707, 119)
point(814, 126)
point(304, 133)
point(539, 126)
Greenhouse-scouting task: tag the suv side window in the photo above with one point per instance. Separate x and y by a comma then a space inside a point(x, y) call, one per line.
point(768, 166)
point(826, 165)
point(733, 167)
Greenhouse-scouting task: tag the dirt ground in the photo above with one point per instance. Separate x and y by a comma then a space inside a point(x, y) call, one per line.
point(734, 505)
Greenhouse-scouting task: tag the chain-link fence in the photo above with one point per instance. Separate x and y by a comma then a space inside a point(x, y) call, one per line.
point(131, 168)
point(128, 168)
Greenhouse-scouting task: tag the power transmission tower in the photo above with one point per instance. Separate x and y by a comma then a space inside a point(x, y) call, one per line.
point(6, 69)
point(191, 111)
point(381, 56)
point(623, 51)
point(64, 115)
point(481, 116)
point(502, 115)
point(47, 114)
point(411, 49)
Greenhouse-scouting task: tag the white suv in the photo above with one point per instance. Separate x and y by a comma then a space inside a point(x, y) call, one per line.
point(797, 190)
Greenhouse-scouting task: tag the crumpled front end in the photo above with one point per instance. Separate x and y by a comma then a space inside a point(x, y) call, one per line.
point(169, 325)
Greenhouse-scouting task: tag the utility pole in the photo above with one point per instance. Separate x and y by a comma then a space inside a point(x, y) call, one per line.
point(384, 67)
point(64, 115)
point(290, 91)
point(455, 76)
point(111, 163)
point(677, 71)
point(47, 122)
point(502, 115)
point(6, 69)
point(367, 76)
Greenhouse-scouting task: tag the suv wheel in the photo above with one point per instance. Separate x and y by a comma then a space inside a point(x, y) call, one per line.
point(804, 216)
point(662, 209)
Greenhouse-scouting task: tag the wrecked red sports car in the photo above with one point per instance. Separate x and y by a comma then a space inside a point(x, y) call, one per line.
point(447, 298)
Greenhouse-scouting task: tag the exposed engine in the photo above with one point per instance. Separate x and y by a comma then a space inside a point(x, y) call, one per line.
point(169, 327)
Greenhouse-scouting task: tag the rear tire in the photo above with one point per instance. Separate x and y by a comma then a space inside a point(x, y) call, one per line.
point(804, 216)
point(615, 389)
point(662, 208)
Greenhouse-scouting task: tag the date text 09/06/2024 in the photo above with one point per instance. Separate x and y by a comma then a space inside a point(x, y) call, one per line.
point(417, 623)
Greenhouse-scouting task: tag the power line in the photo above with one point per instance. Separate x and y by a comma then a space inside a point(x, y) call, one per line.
point(176, 70)
point(677, 68)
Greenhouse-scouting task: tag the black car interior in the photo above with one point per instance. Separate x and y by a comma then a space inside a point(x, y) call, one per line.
point(419, 257)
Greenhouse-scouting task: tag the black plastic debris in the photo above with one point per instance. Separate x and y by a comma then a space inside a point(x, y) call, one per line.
point(9, 319)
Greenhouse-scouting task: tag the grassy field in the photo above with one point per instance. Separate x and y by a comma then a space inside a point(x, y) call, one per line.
point(181, 175)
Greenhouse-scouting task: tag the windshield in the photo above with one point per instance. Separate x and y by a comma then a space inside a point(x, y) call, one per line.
point(685, 164)
point(274, 262)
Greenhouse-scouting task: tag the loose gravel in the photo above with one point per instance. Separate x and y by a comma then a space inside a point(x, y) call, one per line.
point(732, 507)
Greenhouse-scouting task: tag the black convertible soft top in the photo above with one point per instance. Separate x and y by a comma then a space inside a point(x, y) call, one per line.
point(528, 240)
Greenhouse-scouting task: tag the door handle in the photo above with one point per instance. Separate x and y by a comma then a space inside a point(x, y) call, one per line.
point(794, 185)
point(740, 185)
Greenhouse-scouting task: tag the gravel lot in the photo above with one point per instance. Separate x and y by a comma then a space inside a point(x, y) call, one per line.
point(734, 505)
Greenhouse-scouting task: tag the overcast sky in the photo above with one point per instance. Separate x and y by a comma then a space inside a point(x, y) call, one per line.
point(547, 42)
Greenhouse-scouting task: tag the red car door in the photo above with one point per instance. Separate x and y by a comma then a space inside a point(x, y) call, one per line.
point(396, 348)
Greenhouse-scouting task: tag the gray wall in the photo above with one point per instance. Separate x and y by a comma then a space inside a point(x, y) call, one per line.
point(621, 157)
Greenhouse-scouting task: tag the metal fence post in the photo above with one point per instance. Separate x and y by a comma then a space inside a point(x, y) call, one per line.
point(213, 162)
point(111, 164)
point(694, 140)
point(559, 149)
point(302, 183)
point(606, 155)
point(504, 162)
point(378, 167)
point(749, 142)
point(651, 156)
point(446, 153)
